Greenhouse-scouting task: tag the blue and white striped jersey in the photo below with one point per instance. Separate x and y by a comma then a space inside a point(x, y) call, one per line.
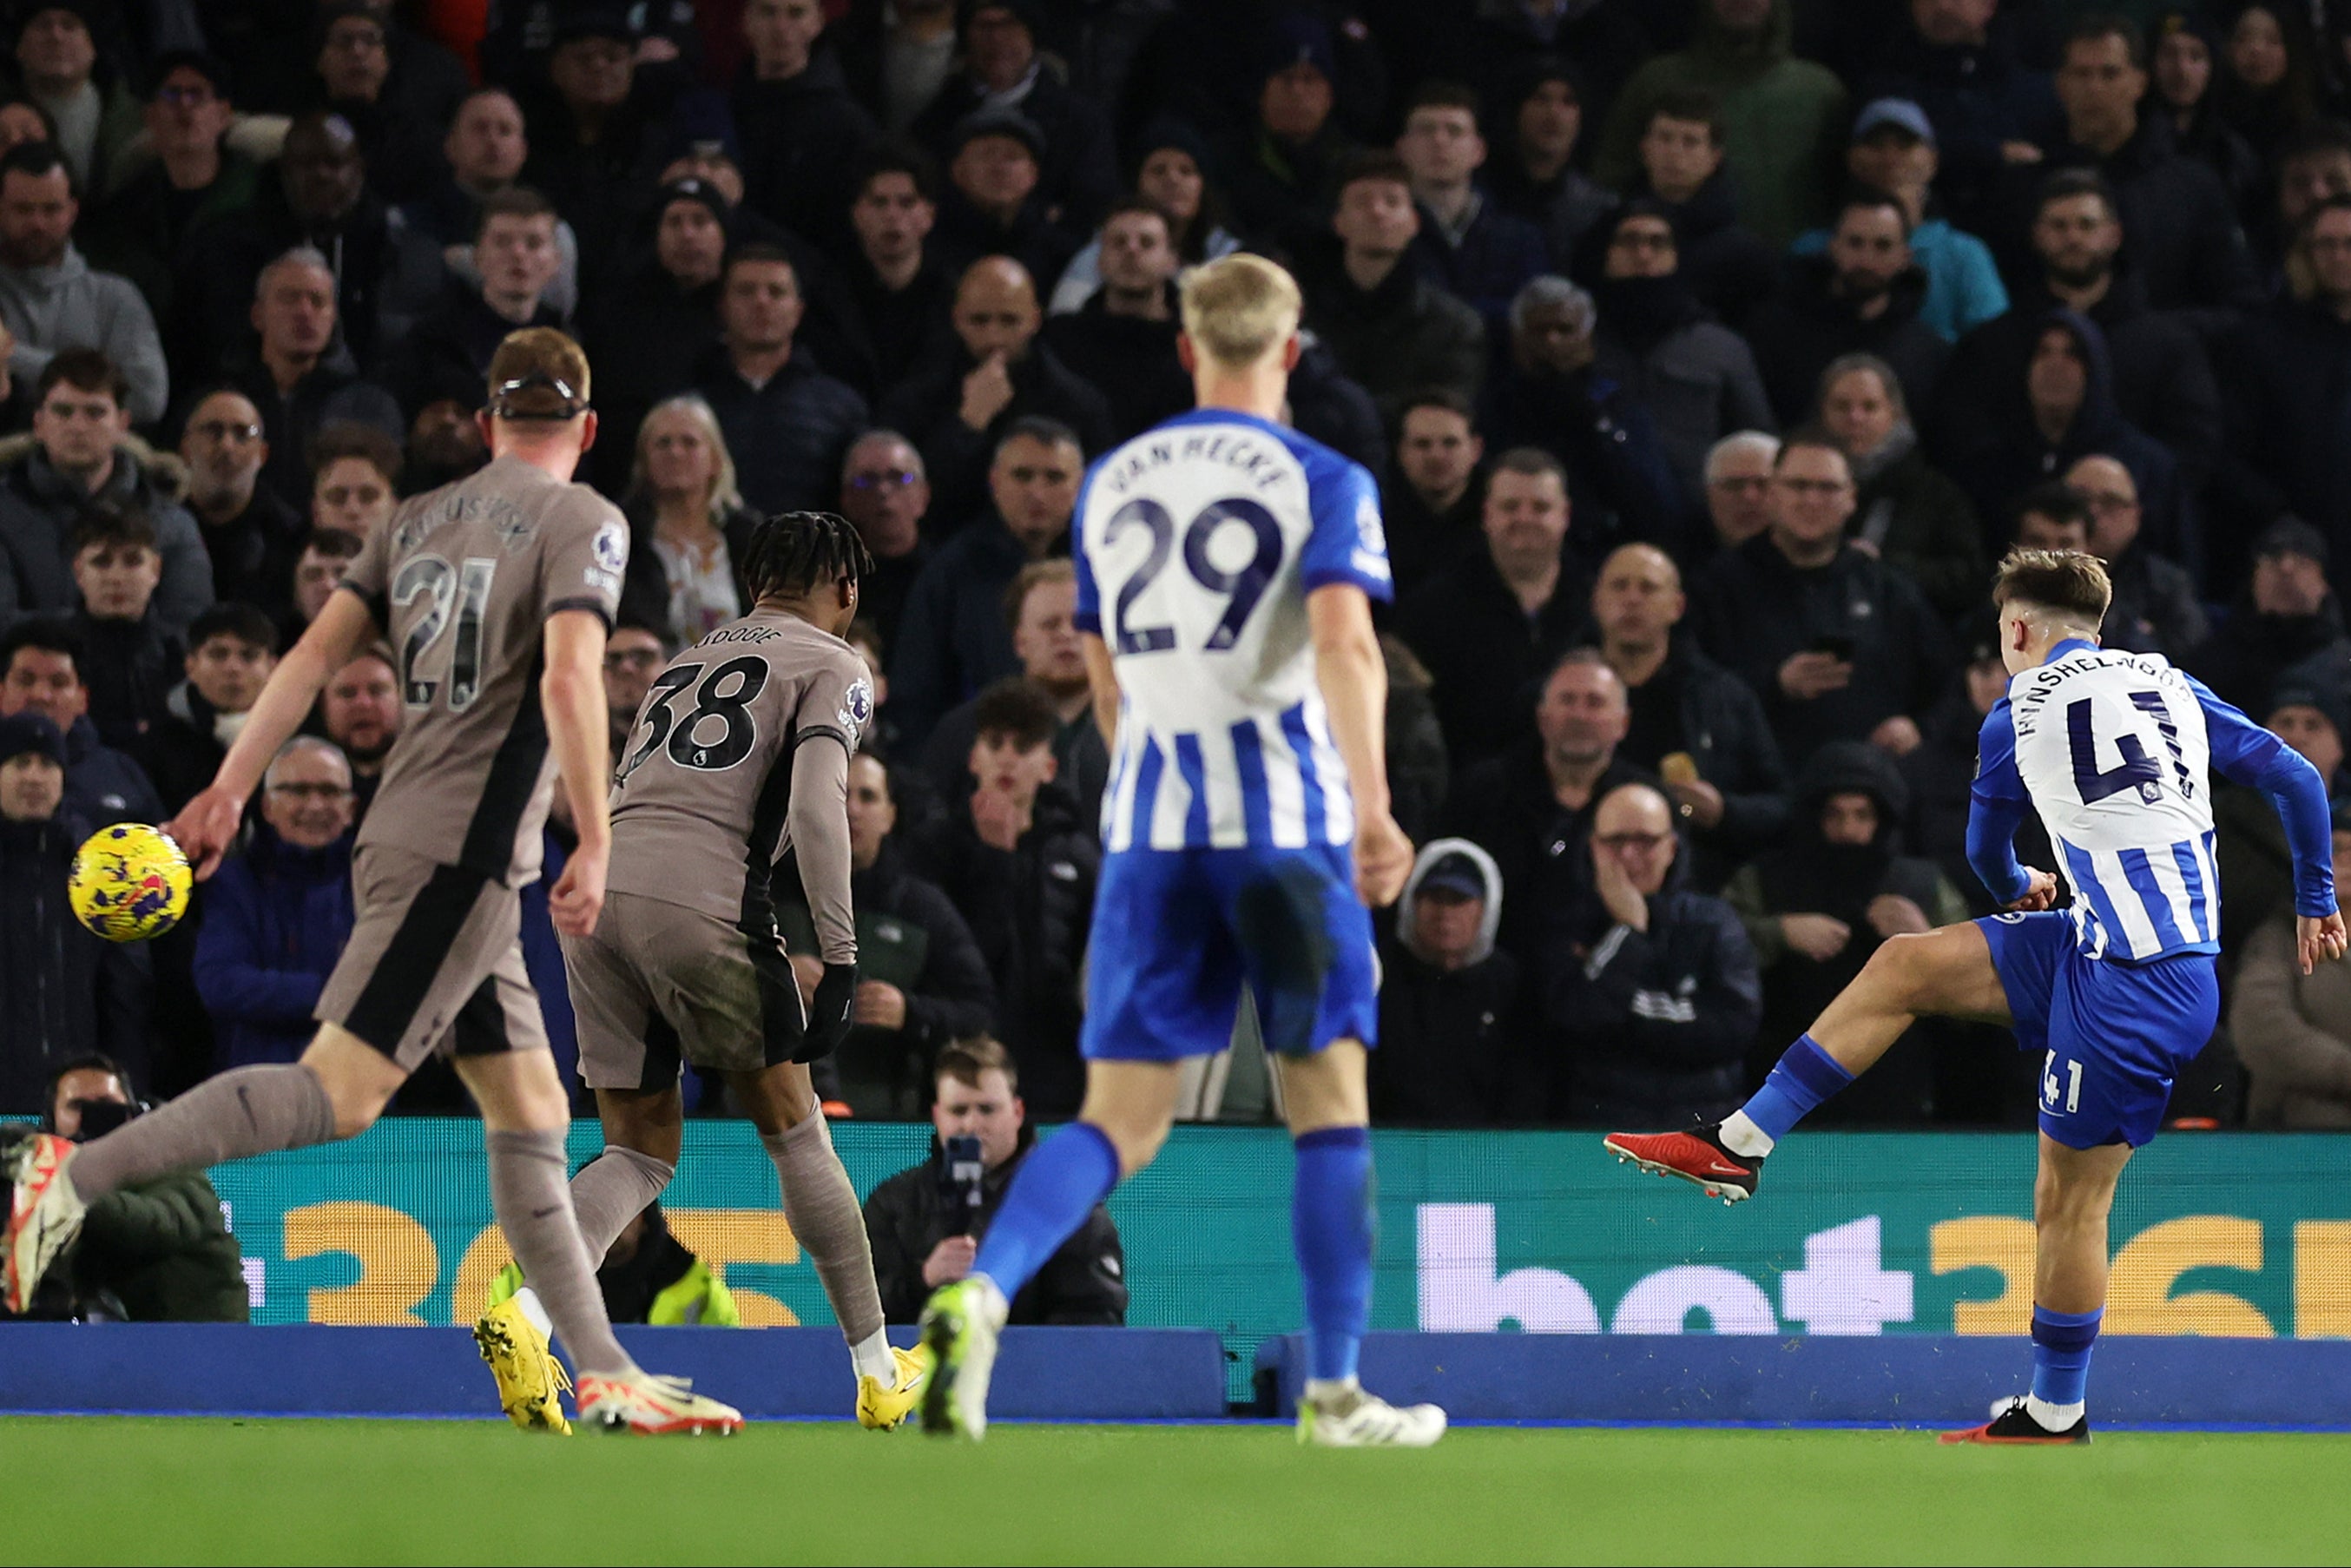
point(2114, 750)
point(1197, 544)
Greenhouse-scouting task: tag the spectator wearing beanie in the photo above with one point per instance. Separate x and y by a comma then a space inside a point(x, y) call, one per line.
point(1541, 119)
point(1281, 172)
point(1077, 176)
point(994, 203)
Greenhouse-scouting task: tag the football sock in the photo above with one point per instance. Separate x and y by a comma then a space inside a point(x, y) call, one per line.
point(1331, 1224)
point(872, 1358)
point(1804, 1076)
point(612, 1189)
point(821, 1208)
point(247, 1111)
point(2062, 1343)
point(1054, 1190)
point(533, 1205)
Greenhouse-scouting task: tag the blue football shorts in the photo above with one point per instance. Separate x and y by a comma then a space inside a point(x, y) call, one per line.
point(1177, 933)
point(2113, 1034)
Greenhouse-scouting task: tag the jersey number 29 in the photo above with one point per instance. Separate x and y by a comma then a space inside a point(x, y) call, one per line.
point(1242, 589)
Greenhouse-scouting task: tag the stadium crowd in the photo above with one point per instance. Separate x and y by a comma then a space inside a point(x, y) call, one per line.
point(1708, 352)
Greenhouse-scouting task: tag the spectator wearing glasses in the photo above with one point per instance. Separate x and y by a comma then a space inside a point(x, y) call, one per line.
point(1651, 1000)
point(249, 532)
point(353, 76)
point(885, 495)
point(634, 654)
point(138, 226)
point(688, 528)
point(278, 913)
point(2156, 608)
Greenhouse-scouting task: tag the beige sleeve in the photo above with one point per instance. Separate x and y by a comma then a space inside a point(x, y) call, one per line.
point(818, 835)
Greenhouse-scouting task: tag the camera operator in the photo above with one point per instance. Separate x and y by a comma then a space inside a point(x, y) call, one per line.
point(160, 1249)
point(927, 1222)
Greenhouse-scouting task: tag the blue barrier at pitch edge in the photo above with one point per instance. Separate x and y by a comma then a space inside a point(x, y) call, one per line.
point(310, 1369)
point(1890, 1380)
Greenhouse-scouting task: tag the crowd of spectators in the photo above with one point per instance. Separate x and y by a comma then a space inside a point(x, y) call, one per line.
point(1708, 352)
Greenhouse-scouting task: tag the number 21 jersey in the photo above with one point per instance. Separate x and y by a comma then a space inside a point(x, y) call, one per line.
point(1197, 544)
point(462, 580)
point(703, 781)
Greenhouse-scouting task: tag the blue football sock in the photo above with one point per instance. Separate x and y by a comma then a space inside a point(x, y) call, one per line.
point(1052, 1194)
point(2061, 1355)
point(1331, 1222)
point(1804, 1076)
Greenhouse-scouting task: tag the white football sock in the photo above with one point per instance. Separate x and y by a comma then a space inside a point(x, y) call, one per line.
point(1328, 1390)
point(2054, 1417)
point(873, 1360)
point(1740, 1135)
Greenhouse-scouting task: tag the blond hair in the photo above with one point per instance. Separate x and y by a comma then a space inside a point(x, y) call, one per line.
point(726, 497)
point(1240, 308)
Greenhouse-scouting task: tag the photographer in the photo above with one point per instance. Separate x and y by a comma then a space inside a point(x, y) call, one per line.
point(160, 1248)
point(927, 1223)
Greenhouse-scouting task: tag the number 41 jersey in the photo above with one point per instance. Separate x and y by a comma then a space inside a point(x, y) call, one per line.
point(2114, 749)
point(1197, 544)
point(705, 778)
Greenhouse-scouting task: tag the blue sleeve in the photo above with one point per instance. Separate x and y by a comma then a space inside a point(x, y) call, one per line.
point(1089, 615)
point(2247, 754)
point(1997, 803)
point(1347, 543)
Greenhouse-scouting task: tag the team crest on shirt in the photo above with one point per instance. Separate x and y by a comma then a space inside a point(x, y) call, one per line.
point(612, 547)
point(856, 709)
point(1371, 538)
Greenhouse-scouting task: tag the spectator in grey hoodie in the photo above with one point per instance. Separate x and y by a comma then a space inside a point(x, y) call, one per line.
point(52, 299)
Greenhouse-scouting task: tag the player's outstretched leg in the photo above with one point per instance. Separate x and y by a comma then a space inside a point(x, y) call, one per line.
point(524, 1115)
point(1946, 972)
point(1333, 1226)
point(820, 1205)
point(1128, 1109)
point(337, 1089)
point(2071, 1200)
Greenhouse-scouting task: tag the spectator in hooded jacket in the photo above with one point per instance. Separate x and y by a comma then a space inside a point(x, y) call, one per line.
point(1861, 298)
point(1695, 376)
point(1820, 904)
point(2055, 405)
point(2293, 1031)
point(1694, 724)
point(2286, 623)
point(278, 913)
point(1839, 645)
point(993, 203)
point(1681, 172)
point(1467, 244)
point(64, 992)
point(1020, 864)
point(922, 982)
point(1392, 330)
point(2157, 607)
point(925, 1231)
point(1894, 150)
point(1650, 1004)
point(1447, 999)
point(1906, 511)
point(2162, 378)
point(1534, 173)
point(82, 453)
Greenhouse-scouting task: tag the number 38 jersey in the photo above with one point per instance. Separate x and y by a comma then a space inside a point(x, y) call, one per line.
point(1197, 544)
point(2113, 749)
point(703, 780)
point(462, 580)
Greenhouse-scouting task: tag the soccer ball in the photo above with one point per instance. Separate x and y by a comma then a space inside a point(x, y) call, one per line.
point(129, 883)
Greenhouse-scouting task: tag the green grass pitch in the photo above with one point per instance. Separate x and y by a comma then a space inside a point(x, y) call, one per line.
point(164, 1490)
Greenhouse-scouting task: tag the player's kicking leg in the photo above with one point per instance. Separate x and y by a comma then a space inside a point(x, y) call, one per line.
point(1946, 973)
point(336, 1090)
point(1129, 1107)
point(524, 1117)
point(2071, 1198)
point(1332, 1214)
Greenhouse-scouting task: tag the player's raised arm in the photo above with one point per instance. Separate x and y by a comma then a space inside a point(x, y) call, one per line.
point(2246, 754)
point(1354, 681)
point(207, 824)
point(572, 695)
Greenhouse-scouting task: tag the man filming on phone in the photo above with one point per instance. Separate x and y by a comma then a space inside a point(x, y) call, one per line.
point(1840, 645)
point(926, 1223)
point(154, 1251)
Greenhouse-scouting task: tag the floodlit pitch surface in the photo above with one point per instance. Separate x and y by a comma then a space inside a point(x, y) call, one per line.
point(183, 1490)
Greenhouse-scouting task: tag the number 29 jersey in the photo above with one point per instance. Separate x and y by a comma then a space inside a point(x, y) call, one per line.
point(704, 782)
point(1197, 544)
point(2114, 752)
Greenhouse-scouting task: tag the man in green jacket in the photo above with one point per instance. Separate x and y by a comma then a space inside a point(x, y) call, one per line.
point(160, 1248)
